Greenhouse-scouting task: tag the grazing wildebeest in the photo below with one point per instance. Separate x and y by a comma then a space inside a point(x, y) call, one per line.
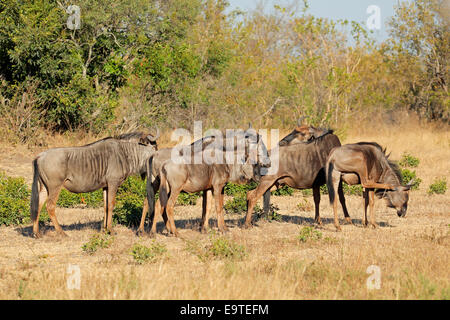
point(366, 163)
point(195, 177)
point(102, 164)
point(300, 166)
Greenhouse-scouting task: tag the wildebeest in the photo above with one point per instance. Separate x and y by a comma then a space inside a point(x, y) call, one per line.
point(156, 162)
point(194, 177)
point(366, 163)
point(102, 164)
point(300, 166)
point(301, 134)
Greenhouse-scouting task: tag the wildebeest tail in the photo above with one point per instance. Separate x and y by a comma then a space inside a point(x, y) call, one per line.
point(34, 204)
point(163, 188)
point(266, 201)
point(149, 188)
point(329, 174)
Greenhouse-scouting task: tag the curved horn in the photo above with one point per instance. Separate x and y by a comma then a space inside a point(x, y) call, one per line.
point(156, 136)
point(300, 120)
point(249, 125)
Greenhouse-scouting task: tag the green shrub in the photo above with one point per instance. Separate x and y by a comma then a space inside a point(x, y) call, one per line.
point(68, 199)
point(409, 161)
point(97, 241)
point(439, 186)
point(142, 254)
point(408, 175)
point(232, 189)
point(354, 190)
point(129, 201)
point(239, 205)
point(309, 233)
point(324, 189)
point(283, 191)
point(222, 247)
point(188, 199)
point(15, 202)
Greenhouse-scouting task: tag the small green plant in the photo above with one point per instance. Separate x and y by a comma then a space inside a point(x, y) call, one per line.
point(409, 161)
point(304, 205)
point(222, 247)
point(283, 191)
point(273, 214)
point(324, 189)
point(439, 186)
point(97, 241)
point(309, 233)
point(142, 254)
point(408, 175)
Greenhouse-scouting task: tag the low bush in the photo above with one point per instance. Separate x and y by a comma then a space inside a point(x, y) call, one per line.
point(142, 254)
point(97, 241)
point(15, 202)
point(408, 175)
point(409, 160)
point(309, 234)
point(439, 186)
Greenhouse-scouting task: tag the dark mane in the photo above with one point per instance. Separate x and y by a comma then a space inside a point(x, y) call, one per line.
point(321, 137)
point(392, 164)
point(123, 136)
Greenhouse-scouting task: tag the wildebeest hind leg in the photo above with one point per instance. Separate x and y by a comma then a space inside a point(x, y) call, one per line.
point(316, 196)
point(218, 197)
point(253, 196)
point(342, 201)
point(51, 207)
point(43, 194)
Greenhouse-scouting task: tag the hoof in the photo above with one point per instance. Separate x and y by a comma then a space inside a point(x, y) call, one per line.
point(37, 235)
point(318, 221)
point(139, 233)
point(151, 234)
point(203, 230)
point(338, 229)
point(247, 225)
point(348, 220)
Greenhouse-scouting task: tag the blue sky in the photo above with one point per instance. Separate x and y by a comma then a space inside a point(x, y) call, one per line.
point(333, 9)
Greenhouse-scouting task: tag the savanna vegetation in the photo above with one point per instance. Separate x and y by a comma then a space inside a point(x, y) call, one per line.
point(138, 63)
point(134, 64)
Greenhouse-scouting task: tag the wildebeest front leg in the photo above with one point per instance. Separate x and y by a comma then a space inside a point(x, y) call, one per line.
point(366, 203)
point(111, 201)
point(316, 196)
point(253, 196)
point(206, 210)
point(218, 197)
point(371, 206)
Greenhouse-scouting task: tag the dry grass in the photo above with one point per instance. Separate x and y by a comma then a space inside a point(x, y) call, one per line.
point(412, 253)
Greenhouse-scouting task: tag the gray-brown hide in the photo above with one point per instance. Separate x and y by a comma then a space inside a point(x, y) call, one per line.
point(300, 166)
point(195, 177)
point(366, 163)
point(158, 159)
point(103, 164)
point(301, 134)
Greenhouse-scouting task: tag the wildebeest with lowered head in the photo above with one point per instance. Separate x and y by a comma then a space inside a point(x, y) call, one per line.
point(366, 163)
point(102, 164)
point(300, 166)
point(194, 177)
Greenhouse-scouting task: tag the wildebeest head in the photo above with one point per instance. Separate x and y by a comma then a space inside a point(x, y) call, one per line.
point(398, 199)
point(256, 153)
point(302, 133)
point(149, 139)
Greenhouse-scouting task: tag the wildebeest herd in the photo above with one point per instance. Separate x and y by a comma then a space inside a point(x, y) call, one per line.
point(308, 157)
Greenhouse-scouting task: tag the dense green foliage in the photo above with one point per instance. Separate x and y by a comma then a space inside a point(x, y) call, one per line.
point(15, 202)
point(138, 62)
